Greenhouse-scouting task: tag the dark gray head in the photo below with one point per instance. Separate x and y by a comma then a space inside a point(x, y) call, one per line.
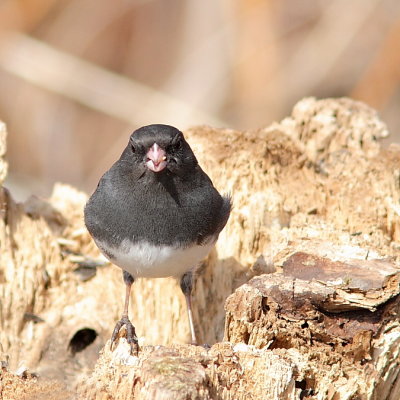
point(160, 148)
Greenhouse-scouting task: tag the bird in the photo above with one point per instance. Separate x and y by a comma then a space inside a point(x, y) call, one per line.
point(155, 213)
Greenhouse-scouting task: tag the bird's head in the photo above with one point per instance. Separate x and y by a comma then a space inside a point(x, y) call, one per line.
point(161, 148)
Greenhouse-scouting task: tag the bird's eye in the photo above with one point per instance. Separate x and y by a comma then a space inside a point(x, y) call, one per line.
point(133, 148)
point(178, 144)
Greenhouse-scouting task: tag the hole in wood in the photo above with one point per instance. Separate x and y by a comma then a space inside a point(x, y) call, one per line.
point(304, 325)
point(305, 390)
point(281, 343)
point(264, 306)
point(82, 339)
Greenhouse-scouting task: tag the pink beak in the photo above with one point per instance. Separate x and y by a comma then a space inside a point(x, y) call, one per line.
point(156, 158)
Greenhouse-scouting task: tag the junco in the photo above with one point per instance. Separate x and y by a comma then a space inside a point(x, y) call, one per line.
point(155, 213)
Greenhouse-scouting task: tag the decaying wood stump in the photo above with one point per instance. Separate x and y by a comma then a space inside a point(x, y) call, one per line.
point(308, 263)
point(341, 317)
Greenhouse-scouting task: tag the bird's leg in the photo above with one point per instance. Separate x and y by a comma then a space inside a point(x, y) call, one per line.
point(130, 329)
point(187, 287)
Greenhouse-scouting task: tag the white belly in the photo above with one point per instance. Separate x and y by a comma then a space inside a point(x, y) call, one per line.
point(146, 260)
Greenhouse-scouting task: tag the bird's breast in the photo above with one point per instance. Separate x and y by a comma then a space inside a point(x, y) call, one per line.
point(143, 259)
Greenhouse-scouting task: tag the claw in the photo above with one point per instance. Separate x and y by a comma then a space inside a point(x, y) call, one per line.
point(131, 337)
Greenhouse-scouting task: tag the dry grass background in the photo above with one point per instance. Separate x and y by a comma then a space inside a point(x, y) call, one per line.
point(77, 76)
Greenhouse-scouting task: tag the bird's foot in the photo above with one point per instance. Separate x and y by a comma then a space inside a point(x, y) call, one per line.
point(131, 337)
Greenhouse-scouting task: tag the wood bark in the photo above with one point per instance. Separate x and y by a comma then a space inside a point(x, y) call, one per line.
point(308, 263)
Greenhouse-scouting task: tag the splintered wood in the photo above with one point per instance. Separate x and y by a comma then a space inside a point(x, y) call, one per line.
point(299, 299)
point(352, 285)
point(330, 318)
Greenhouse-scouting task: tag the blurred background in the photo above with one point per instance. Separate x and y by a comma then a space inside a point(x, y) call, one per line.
point(78, 76)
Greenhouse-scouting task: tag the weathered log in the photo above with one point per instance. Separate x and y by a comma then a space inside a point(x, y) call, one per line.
point(288, 335)
point(187, 372)
point(159, 373)
point(316, 201)
point(334, 313)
